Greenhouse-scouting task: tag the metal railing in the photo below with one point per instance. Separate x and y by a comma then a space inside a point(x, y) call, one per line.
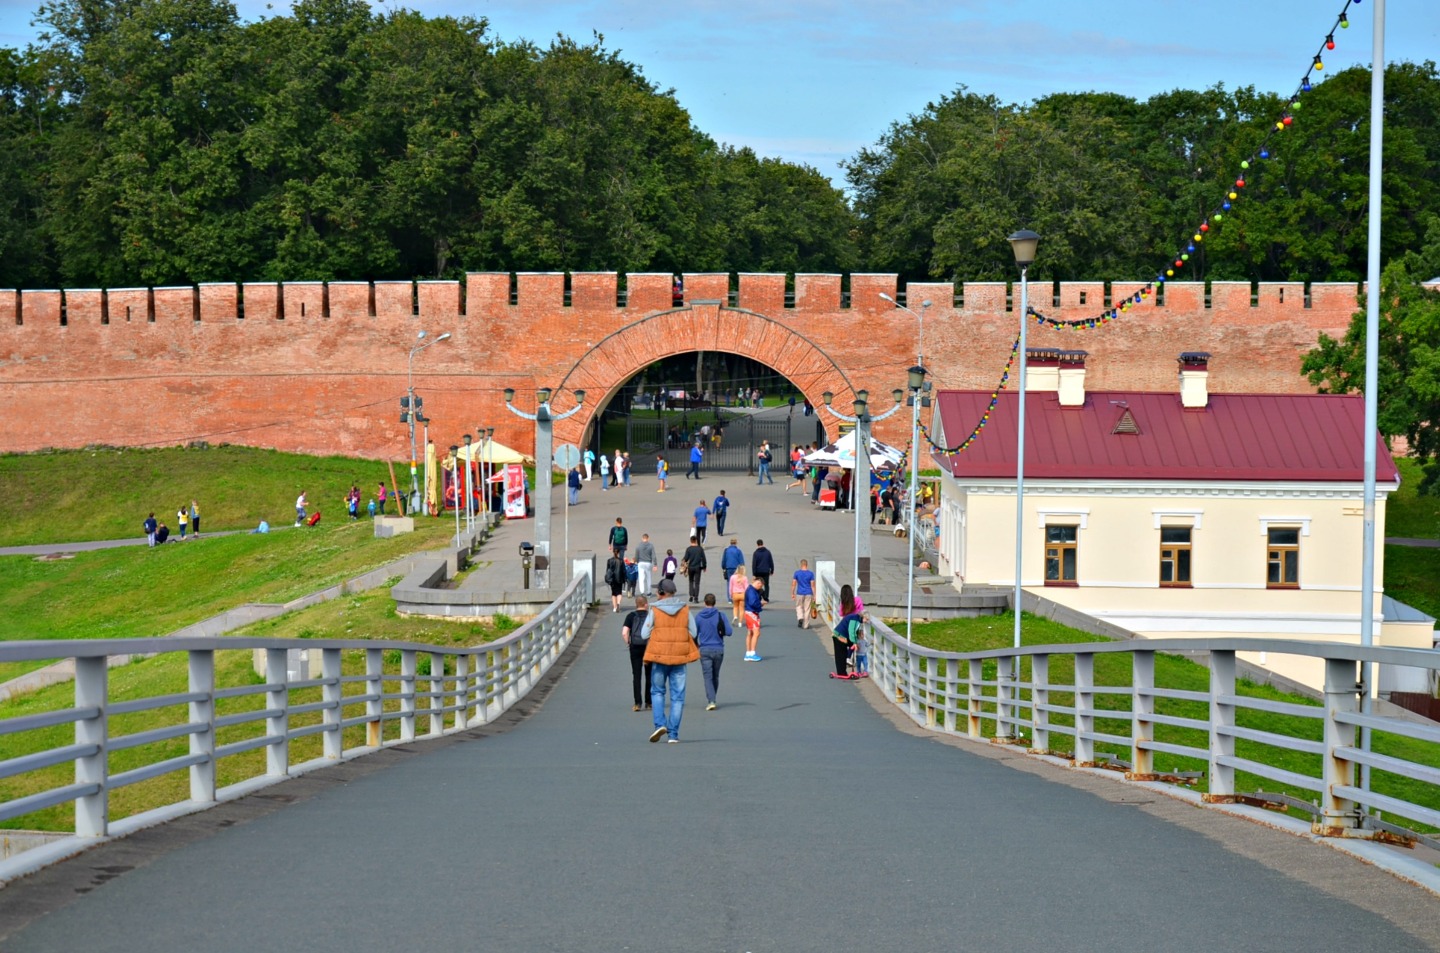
point(974, 695)
point(403, 692)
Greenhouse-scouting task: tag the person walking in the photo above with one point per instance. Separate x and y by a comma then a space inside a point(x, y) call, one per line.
point(644, 565)
point(721, 509)
point(711, 631)
point(662, 469)
point(195, 519)
point(670, 634)
point(696, 455)
point(589, 464)
point(669, 566)
point(604, 473)
point(762, 566)
point(693, 565)
point(615, 579)
point(380, 496)
point(763, 457)
point(754, 605)
point(737, 585)
point(182, 520)
point(802, 591)
point(625, 469)
point(630, 632)
point(616, 468)
point(300, 504)
point(733, 558)
point(150, 528)
point(701, 521)
point(572, 481)
point(846, 632)
point(619, 538)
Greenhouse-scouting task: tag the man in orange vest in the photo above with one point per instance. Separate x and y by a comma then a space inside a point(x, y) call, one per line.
point(669, 633)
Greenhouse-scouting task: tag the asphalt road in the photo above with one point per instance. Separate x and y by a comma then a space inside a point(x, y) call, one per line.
point(799, 816)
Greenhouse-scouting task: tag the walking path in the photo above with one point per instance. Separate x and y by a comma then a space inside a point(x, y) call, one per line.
point(801, 815)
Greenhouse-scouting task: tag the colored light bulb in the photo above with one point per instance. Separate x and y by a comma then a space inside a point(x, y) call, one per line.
point(1344, 23)
point(1305, 84)
point(1218, 216)
point(1244, 163)
point(1287, 120)
point(1264, 153)
point(1233, 195)
point(1318, 63)
point(1204, 226)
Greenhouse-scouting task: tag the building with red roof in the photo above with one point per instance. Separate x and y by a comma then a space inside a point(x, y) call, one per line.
point(1171, 514)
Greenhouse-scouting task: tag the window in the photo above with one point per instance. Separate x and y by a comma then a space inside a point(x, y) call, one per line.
point(1282, 562)
point(1060, 555)
point(1175, 556)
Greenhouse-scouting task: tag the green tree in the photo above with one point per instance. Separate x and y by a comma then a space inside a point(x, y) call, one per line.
point(1408, 368)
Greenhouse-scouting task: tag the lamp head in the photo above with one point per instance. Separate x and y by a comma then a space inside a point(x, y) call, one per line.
point(489, 432)
point(887, 297)
point(454, 448)
point(543, 395)
point(1023, 244)
point(925, 304)
point(580, 396)
point(466, 438)
point(862, 395)
point(420, 336)
point(509, 395)
point(828, 396)
point(443, 337)
point(858, 405)
point(917, 377)
point(898, 393)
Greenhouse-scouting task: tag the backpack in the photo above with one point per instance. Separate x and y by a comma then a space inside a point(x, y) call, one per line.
point(619, 536)
point(614, 572)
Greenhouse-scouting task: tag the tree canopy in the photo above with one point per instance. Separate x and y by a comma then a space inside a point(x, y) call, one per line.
point(165, 141)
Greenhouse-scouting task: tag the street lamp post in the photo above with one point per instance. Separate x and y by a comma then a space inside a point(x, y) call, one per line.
point(469, 524)
point(489, 471)
point(918, 399)
point(1023, 243)
point(412, 410)
point(862, 421)
point(544, 464)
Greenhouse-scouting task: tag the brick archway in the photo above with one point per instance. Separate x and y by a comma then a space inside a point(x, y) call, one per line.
point(704, 326)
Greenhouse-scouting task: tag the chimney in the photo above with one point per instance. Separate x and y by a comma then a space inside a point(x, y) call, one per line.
point(1195, 380)
point(1072, 378)
point(1042, 372)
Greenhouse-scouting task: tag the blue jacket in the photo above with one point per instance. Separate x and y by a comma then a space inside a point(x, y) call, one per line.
point(732, 559)
point(753, 600)
point(695, 454)
point(711, 628)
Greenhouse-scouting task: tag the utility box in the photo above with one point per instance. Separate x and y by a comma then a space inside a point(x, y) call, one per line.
point(387, 526)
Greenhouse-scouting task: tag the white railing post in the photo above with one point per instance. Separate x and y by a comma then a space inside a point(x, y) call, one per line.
point(974, 692)
point(1142, 706)
point(91, 691)
point(1004, 691)
point(1084, 709)
point(952, 692)
point(1222, 716)
point(202, 716)
point(462, 690)
point(375, 706)
point(407, 694)
point(437, 693)
point(332, 692)
point(1338, 816)
point(277, 700)
point(1039, 698)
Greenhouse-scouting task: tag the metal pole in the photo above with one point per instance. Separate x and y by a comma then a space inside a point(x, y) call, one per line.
point(468, 526)
point(1372, 352)
point(455, 485)
point(1020, 450)
point(862, 478)
point(425, 442)
point(910, 526)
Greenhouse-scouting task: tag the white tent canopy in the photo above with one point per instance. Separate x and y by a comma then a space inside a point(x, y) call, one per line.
point(841, 453)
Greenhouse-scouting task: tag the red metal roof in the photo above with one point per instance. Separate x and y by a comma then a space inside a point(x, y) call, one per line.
point(1292, 437)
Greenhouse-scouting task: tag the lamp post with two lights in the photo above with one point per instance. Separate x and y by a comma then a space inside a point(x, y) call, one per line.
point(544, 463)
point(861, 482)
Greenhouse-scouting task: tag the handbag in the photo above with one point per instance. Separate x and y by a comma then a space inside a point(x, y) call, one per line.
point(814, 612)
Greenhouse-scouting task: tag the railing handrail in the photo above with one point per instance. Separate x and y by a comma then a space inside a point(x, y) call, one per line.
point(949, 692)
point(485, 681)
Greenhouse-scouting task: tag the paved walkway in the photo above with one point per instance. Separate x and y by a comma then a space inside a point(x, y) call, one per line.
point(801, 815)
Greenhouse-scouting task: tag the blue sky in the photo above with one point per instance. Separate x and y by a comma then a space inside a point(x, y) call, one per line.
point(814, 81)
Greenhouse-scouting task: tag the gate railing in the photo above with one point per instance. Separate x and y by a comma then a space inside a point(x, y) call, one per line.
point(1355, 786)
point(368, 695)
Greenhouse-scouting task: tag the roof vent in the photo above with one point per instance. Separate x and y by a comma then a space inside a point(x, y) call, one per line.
point(1195, 380)
point(1126, 423)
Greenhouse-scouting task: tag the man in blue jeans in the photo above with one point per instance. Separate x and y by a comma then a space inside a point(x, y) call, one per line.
point(763, 458)
point(669, 633)
point(720, 508)
point(696, 455)
point(711, 631)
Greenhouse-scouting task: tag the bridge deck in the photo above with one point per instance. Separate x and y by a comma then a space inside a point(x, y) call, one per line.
point(798, 816)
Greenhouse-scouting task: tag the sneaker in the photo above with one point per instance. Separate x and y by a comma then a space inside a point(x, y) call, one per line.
point(755, 658)
point(635, 708)
point(710, 707)
point(673, 741)
point(799, 623)
point(657, 734)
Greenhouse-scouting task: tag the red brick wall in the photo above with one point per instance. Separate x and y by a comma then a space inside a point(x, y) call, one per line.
point(315, 368)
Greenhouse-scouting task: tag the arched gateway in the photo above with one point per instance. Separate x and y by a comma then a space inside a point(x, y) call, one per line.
point(702, 326)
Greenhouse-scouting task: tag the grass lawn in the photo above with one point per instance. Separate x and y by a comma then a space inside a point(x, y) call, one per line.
point(981, 634)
